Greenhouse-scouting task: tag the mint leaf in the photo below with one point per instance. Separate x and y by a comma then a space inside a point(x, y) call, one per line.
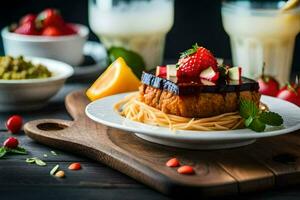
point(2, 152)
point(17, 150)
point(248, 121)
point(248, 108)
point(257, 125)
point(271, 118)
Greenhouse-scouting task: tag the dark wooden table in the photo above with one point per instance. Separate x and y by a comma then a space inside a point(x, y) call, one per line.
point(20, 180)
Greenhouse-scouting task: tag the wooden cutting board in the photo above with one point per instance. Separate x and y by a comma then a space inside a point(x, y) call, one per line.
point(268, 163)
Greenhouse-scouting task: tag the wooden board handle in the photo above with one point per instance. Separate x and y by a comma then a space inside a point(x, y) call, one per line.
point(52, 128)
point(76, 103)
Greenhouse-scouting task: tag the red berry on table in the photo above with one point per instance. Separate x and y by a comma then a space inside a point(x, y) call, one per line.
point(52, 31)
point(27, 28)
point(290, 93)
point(49, 17)
point(193, 61)
point(74, 166)
point(28, 18)
point(11, 143)
point(173, 162)
point(14, 123)
point(186, 169)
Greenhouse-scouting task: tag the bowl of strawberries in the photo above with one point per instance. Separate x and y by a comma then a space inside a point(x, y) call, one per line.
point(46, 35)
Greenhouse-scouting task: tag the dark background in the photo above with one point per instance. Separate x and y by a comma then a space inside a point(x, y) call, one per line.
point(195, 21)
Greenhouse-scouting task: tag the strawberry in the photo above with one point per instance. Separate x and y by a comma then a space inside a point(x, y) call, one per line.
point(52, 31)
point(49, 17)
point(69, 29)
point(27, 28)
point(27, 18)
point(193, 61)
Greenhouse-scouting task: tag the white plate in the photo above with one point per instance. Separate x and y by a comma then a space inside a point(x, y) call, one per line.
point(102, 112)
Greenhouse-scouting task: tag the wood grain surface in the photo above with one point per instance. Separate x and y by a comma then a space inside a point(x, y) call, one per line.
point(268, 163)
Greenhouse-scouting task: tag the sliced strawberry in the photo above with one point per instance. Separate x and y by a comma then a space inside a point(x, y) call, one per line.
point(209, 74)
point(161, 71)
point(27, 28)
point(193, 61)
point(207, 82)
point(27, 18)
point(52, 31)
point(235, 73)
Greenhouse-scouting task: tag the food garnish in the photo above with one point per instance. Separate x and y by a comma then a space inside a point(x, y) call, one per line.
point(209, 74)
point(53, 153)
point(11, 146)
point(256, 119)
point(74, 166)
point(11, 143)
point(117, 78)
point(161, 71)
point(60, 174)
point(186, 169)
point(14, 123)
point(36, 160)
point(18, 68)
point(54, 170)
point(173, 162)
point(193, 61)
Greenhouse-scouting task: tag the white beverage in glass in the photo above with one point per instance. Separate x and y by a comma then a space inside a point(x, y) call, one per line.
point(137, 25)
point(260, 32)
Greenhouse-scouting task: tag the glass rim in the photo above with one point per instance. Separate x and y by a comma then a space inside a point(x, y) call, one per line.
point(233, 7)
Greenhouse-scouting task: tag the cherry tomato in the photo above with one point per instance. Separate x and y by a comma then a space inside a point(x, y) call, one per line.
point(14, 123)
point(289, 94)
point(268, 86)
point(11, 142)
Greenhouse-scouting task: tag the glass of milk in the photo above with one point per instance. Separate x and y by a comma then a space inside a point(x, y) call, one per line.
point(137, 25)
point(261, 33)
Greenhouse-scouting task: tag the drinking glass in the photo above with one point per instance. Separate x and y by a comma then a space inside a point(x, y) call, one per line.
point(137, 25)
point(261, 33)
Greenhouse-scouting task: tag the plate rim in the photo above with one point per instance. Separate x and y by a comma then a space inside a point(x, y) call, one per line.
point(238, 134)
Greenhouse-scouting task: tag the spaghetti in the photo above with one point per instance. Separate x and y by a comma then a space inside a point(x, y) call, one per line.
point(133, 109)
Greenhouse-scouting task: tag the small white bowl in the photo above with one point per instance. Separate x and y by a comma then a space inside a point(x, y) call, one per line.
point(32, 94)
point(68, 49)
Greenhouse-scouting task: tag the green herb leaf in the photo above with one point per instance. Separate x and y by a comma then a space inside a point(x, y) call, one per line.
point(54, 170)
point(257, 125)
point(248, 121)
point(45, 155)
point(36, 160)
point(2, 152)
point(53, 153)
point(248, 108)
point(40, 162)
point(17, 150)
point(271, 118)
point(30, 160)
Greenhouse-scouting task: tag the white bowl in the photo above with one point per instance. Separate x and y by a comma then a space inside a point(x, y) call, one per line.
point(68, 49)
point(31, 94)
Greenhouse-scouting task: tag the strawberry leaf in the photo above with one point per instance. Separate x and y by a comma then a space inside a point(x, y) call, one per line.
point(189, 51)
point(2, 152)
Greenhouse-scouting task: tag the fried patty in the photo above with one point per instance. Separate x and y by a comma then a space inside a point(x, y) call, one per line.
point(198, 105)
